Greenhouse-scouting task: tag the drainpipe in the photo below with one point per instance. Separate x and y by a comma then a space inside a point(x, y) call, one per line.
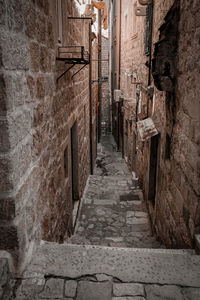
point(119, 81)
point(120, 20)
point(99, 75)
point(90, 97)
point(150, 50)
point(150, 54)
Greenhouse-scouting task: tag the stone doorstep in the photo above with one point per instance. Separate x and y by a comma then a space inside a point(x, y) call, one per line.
point(150, 266)
point(197, 242)
point(10, 262)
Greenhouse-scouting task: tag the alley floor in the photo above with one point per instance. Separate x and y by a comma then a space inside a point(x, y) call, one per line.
point(110, 256)
point(113, 211)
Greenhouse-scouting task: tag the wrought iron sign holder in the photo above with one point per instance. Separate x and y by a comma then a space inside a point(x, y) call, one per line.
point(74, 55)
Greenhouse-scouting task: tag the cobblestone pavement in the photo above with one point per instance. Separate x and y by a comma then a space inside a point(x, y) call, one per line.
point(113, 211)
point(77, 272)
point(101, 287)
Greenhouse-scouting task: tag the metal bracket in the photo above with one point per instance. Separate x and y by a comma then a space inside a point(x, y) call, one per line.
point(140, 11)
point(78, 71)
point(102, 79)
point(64, 73)
point(148, 91)
point(73, 55)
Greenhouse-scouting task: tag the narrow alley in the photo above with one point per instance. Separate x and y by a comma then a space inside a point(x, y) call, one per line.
point(106, 258)
point(113, 211)
point(99, 150)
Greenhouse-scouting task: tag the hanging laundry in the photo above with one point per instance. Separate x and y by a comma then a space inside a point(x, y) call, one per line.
point(102, 5)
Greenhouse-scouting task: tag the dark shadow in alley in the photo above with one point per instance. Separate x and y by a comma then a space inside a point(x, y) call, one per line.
point(113, 210)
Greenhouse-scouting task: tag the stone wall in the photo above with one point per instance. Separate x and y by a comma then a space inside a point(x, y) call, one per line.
point(36, 115)
point(115, 65)
point(177, 210)
point(129, 136)
point(171, 182)
point(105, 107)
point(133, 70)
point(94, 95)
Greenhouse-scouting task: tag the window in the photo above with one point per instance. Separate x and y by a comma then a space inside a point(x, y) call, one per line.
point(59, 21)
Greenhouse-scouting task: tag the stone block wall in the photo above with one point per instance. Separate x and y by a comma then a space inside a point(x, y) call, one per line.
point(94, 95)
point(177, 210)
point(133, 71)
point(115, 65)
point(129, 136)
point(36, 116)
point(105, 107)
point(174, 210)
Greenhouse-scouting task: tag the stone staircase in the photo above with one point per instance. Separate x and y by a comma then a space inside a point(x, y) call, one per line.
point(79, 272)
point(113, 213)
point(113, 254)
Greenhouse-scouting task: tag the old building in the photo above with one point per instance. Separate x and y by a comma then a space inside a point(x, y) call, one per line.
point(156, 117)
point(73, 226)
point(48, 120)
point(105, 86)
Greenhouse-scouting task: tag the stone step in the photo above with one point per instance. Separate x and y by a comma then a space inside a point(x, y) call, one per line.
point(116, 241)
point(148, 266)
point(6, 266)
point(110, 177)
point(197, 242)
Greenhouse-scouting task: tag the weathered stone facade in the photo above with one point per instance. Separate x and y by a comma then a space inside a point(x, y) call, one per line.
point(168, 164)
point(105, 107)
point(36, 116)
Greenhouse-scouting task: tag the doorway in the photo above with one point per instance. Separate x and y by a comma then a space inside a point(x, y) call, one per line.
point(153, 168)
point(74, 162)
point(133, 162)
